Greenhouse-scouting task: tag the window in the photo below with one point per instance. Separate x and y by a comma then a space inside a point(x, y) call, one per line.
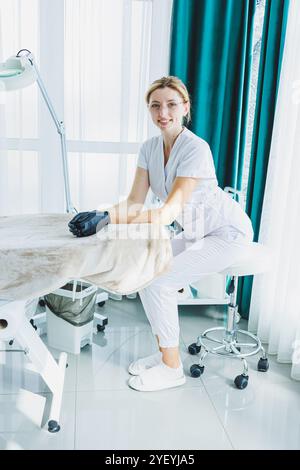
point(96, 58)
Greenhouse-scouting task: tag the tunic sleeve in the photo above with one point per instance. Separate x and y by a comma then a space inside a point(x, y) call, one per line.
point(142, 158)
point(197, 161)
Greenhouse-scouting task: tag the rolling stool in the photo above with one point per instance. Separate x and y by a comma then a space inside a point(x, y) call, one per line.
point(229, 341)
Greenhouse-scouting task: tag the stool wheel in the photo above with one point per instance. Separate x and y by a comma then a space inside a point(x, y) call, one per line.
point(53, 426)
point(101, 304)
point(100, 328)
point(263, 364)
point(241, 381)
point(196, 370)
point(194, 349)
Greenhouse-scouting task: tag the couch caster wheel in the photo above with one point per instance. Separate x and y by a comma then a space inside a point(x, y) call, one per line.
point(241, 381)
point(194, 349)
point(196, 370)
point(42, 303)
point(263, 364)
point(100, 328)
point(101, 304)
point(53, 426)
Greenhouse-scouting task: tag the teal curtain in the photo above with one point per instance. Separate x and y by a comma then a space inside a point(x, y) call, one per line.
point(274, 30)
point(211, 45)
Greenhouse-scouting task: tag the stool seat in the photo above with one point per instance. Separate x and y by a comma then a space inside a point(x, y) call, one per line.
point(257, 259)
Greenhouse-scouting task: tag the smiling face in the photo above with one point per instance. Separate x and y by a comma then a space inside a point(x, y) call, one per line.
point(167, 109)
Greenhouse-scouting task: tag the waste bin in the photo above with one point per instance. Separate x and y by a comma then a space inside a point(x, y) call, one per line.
point(70, 313)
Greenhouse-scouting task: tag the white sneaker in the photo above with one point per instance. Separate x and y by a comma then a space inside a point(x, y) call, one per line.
point(137, 367)
point(159, 377)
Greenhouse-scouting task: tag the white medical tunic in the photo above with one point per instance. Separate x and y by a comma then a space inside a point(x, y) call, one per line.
point(210, 210)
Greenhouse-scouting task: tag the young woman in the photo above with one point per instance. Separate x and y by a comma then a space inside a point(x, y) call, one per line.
point(178, 167)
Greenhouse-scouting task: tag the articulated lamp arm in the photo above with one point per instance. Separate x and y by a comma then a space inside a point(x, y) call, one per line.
point(20, 71)
point(59, 126)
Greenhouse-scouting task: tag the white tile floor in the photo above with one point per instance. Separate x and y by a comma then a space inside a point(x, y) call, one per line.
point(99, 411)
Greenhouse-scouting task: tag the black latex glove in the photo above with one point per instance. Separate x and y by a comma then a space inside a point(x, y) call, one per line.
point(85, 224)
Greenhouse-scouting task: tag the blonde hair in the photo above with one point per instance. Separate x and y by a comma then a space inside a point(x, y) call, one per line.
point(176, 84)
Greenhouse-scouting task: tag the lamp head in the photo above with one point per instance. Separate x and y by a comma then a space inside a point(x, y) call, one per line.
point(17, 72)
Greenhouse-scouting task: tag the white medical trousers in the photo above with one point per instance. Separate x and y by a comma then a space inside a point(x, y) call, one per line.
point(210, 255)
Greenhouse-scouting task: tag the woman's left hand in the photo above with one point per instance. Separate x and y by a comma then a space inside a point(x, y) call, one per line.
point(85, 224)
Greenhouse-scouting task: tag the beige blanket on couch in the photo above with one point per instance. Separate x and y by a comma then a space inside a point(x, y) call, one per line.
point(38, 254)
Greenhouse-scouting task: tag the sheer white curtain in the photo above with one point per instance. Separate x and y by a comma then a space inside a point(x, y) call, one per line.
point(19, 178)
point(3, 190)
point(275, 306)
point(96, 58)
point(109, 62)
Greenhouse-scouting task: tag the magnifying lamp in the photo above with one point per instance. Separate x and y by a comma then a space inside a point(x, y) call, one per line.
point(21, 71)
